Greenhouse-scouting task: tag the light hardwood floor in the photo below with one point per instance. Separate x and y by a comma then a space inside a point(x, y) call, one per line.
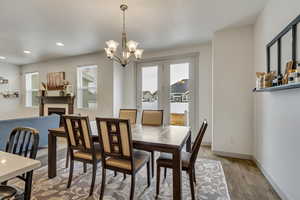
point(244, 179)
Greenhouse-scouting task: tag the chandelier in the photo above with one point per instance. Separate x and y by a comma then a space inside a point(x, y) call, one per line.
point(129, 48)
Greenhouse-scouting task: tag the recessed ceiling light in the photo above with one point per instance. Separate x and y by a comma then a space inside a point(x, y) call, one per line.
point(27, 52)
point(2, 57)
point(60, 44)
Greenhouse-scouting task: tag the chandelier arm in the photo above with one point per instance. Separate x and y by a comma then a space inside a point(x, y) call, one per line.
point(116, 58)
point(130, 61)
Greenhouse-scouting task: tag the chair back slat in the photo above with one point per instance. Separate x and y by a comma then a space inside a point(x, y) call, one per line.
point(20, 145)
point(16, 142)
point(152, 117)
point(79, 132)
point(22, 142)
point(27, 145)
point(115, 138)
point(130, 114)
point(198, 141)
point(70, 131)
point(86, 136)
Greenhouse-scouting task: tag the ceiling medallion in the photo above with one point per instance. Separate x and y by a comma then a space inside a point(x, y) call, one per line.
point(129, 48)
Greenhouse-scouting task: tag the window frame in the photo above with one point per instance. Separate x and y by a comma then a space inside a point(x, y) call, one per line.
point(79, 86)
point(30, 90)
point(278, 41)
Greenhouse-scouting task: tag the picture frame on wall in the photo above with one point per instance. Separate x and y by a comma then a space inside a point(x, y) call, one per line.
point(284, 49)
point(55, 80)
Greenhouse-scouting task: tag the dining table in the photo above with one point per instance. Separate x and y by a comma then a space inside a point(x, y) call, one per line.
point(12, 165)
point(167, 139)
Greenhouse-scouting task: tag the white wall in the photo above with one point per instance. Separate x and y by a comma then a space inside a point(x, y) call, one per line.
point(69, 66)
point(232, 91)
point(9, 106)
point(204, 103)
point(276, 144)
point(117, 88)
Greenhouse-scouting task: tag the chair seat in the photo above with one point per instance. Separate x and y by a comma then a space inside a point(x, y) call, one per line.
point(7, 192)
point(88, 156)
point(165, 159)
point(140, 158)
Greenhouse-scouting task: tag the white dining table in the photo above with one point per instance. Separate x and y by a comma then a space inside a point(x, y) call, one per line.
point(12, 165)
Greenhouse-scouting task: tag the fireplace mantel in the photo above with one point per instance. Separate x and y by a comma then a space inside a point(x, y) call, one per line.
point(57, 100)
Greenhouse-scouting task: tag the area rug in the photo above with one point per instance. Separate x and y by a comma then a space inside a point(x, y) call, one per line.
point(211, 184)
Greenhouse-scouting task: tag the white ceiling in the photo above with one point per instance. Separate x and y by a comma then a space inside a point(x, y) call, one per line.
point(84, 25)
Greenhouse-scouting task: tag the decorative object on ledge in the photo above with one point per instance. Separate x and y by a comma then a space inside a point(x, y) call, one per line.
point(15, 94)
point(129, 48)
point(277, 88)
point(3, 80)
point(4, 89)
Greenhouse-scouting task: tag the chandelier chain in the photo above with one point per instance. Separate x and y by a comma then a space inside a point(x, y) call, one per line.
point(124, 21)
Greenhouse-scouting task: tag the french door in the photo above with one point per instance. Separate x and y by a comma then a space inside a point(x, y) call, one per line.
point(168, 85)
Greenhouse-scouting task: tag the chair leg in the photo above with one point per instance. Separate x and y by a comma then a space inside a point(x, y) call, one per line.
point(192, 184)
point(157, 180)
point(93, 178)
point(152, 162)
point(84, 168)
point(103, 183)
point(194, 175)
point(70, 173)
point(68, 158)
point(115, 173)
point(165, 174)
point(148, 173)
point(132, 186)
point(28, 186)
point(124, 176)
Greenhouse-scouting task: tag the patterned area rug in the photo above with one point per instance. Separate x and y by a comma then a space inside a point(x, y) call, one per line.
point(211, 184)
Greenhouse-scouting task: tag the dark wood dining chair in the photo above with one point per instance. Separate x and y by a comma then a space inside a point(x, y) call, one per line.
point(129, 114)
point(81, 145)
point(23, 142)
point(117, 151)
point(188, 161)
point(152, 118)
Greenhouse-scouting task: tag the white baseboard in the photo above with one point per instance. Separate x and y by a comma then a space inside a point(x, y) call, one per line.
point(233, 155)
point(206, 143)
point(280, 193)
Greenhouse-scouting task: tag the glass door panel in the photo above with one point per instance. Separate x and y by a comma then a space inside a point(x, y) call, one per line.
point(150, 88)
point(179, 94)
point(168, 86)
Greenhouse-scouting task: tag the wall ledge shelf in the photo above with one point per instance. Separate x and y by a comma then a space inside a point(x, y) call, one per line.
point(277, 88)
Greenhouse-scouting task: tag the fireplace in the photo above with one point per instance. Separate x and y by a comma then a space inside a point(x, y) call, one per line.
point(56, 105)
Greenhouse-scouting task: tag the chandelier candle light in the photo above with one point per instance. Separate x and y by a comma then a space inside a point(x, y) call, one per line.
point(129, 48)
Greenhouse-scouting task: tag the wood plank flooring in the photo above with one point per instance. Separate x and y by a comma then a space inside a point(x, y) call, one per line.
point(244, 179)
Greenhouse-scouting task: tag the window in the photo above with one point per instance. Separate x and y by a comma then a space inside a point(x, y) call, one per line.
point(87, 87)
point(32, 89)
